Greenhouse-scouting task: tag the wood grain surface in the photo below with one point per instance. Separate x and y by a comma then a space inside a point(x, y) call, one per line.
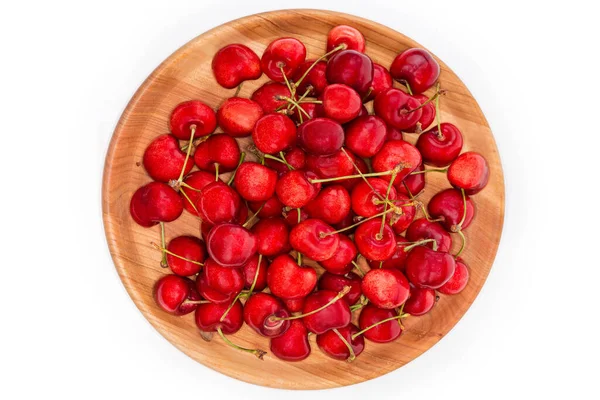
point(187, 75)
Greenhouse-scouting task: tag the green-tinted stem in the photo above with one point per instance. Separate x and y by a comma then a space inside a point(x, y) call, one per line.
point(299, 214)
point(464, 216)
point(322, 235)
point(285, 161)
point(341, 294)
point(424, 171)
point(163, 241)
point(387, 198)
point(420, 243)
point(429, 100)
point(237, 90)
point(340, 178)
point(186, 302)
point(187, 154)
point(232, 177)
point(188, 199)
point(357, 334)
point(216, 172)
point(255, 276)
point(438, 118)
point(258, 353)
point(165, 251)
point(352, 356)
point(324, 56)
point(462, 246)
point(407, 85)
point(358, 268)
point(281, 160)
point(299, 258)
point(253, 217)
point(287, 82)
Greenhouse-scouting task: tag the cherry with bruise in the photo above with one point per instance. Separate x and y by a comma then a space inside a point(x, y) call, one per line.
point(192, 114)
point(288, 280)
point(351, 68)
point(380, 332)
point(427, 268)
point(155, 202)
point(450, 206)
point(396, 154)
point(331, 344)
point(217, 149)
point(255, 182)
point(373, 243)
point(458, 281)
point(331, 205)
point(270, 96)
point(218, 203)
point(164, 160)
point(176, 295)
point(259, 309)
point(341, 103)
point(385, 288)
point(320, 136)
point(272, 236)
point(254, 277)
point(417, 67)
point(336, 283)
point(341, 261)
point(420, 302)
point(440, 149)
point(274, 133)
point(219, 284)
point(231, 245)
point(237, 116)
point(366, 135)
point(282, 57)
point(295, 189)
point(293, 345)
point(315, 239)
point(186, 255)
point(470, 171)
point(234, 64)
point(423, 229)
point(345, 35)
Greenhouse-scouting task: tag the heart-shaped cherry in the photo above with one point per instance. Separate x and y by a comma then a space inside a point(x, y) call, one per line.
point(294, 305)
point(231, 245)
point(288, 280)
point(351, 68)
point(255, 182)
point(402, 221)
point(272, 236)
point(191, 188)
point(341, 262)
point(155, 202)
point(293, 345)
point(440, 149)
point(450, 205)
point(421, 301)
point(417, 67)
point(315, 81)
point(315, 239)
point(397, 108)
point(427, 268)
point(217, 149)
point(412, 185)
point(320, 136)
point(195, 115)
point(163, 159)
point(382, 81)
point(345, 35)
point(397, 260)
point(331, 205)
point(385, 288)
point(470, 171)
point(374, 243)
point(366, 135)
point(423, 229)
point(396, 154)
point(176, 295)
point(372, 325)
point(270, 96)
point(368, 197)
point(336, 283)
point(282, 57)
point(186, 255)
point(255, 277)
point(332, 312)
point(274, 133)
point(259, 309)
point(331, 344)
point(219, 284)
point(218, 203)
point(341, 103)
point(294, 188)
point(458, 281)
point(237, 116)
point(234, 64)
point(267, 209)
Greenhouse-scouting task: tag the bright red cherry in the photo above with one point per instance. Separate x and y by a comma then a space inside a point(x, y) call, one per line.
point(315, 239)
point(249, 272)
point(385, 288)
point(258, 312)
point(421, 301)
point(269, 96)
point(217, 149)
point(294, 305)
point(341, 103)
point(219, 284)
point(383, 332)
point(449, 205)
point(282, 56)
point(397, 108)
point(396, 153)
point(402, 221)
point(423, 229)
point(315, 81)
point(331, 205)
point(331, 344)
point(291, 216)
point(332, 166)
point(397, 260)
point(394, 134)
point(237, 116)
point(155, 202)
point(288, 280)
point(372, 244)
point(351, 68)
point(190, 252)
point(440, 150)
point(412, 185)
point(335, 315)
point(272, 236)
point(345, 35)
point(426, 268)
point(336, 283)
point(271, 208)
point(458, 281)
point(231, 245)
point(234, 64)
point(470, 171)
point(176, 295)
point(193, 113)
point(366, 135)
point(198, 180)
point(218, 203)
point(293, 345)
point(417, 67)
point(341, 262)
point(320, 136)
point(163, 159)
point(368, 197)
point(274, 133)
point(294, 189)
point(382, 81)
point(255, 182)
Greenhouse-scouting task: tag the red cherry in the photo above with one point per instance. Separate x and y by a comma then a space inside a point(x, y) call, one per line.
point(403, 221)
point(192, 113)
point(320, 136)
point(187, 248)
point(269, 96)
point(427, 117)
point(291, 216)
point(315, 239)
point(350, 220)
point(336, 283)
point(296, 158)
point(331, 205)
point(345, 35)
point(397, 108)
point(237, 116)
point(283, 53)
point(397, 260)
point(359, 165)
point(163, 159)
point(234, 64)
point(259, 309)
point(242, 214)
point(440, 150)
point(458, 281)
point(231, 245)
point(218, 203)
point(197, 180)
point(449, 205)
point(155, 202)
point(272, 207)
point(332, 166)
point(371, 244)
point(335, 316)
point(394, 134)
point(295, 190)
point(341, 262)
point(382, 81)
point(417, 67)
point(171, 293)
point(421, 301)
point(255, 182)
point(382, 333)
point(426, 268)
point(422, 229)
point(366, 135)
point(313, 110)
point(396, 153)
point(217, 149)
point(470, 171)
point(412, 185)
point(351, 68)
point(315, 80)
point(219, 284)
point(294, 305)
point(272, 236)
point(385, 288)
point(341, 103)
point(293, 345)
point(249, 273)
point(208, 317)
point(288, 280)
point(274, 133)
point(331, 344)
point(366, 202)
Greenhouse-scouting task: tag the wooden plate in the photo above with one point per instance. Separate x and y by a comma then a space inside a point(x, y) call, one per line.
point(187, 75)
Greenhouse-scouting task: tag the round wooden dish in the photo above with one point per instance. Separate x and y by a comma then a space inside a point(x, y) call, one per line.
point(187, 75)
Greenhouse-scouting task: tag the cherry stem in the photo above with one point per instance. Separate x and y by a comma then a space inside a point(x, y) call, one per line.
point(425, 171)
point(422, 242)
point(324, 56)
point(287, 82)
point(357, 334)
point(437, 114)
point(257, 352)
point(401, 312)
point(163, 240)
point(358, 268)
point(187, 154)
point(281, 160)
point(290, 167)
point(297, 105)
point(260, 256)
point(196, 142)
point(363, 302)
point(338, 296)
point(186, 302)
point(352, 356)
point(340, 178)
point(253, 217)
point(437, 94)
point(464, 216)
point(462, 246)
point(237, 90)
point(299, 262)
point(240, 294)
point(379, 236)
point(309, 101)
point(299, 214)
point(165, 251)
point(407, 85)
point(216, 172)
point(232, 177)
point(188, 199)
point(190, 187)
point(323, 234)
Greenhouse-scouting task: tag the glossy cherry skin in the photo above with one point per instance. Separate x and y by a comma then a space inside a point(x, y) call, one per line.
point(351, 68)
point(313, 111)
point(271, 208)
point(331, 205)
point(291, 216)
point(402, 221)
point(412, 185)
point(315, 239)
point(385, 288)
point(315, 81)
point(370, 245)
point(427, 117)
point(336, 283)
point(382, 333)
point(320, 136)
point(259, 309)
point(272, 236)
point(449, 205)
point(295, 156)
point(426, 268)
point(171, 291)
point(421, 301)
point(458, 281)
point(231, 245)
point(382, 81)
point(358, 165)
point(293, 345)
point(288, 280)
point(249, 272)
point(274, 133)
point(219, 284)
point(366, 135)
point(155, 202)
point(294, 305)
point(396, 108)
point(397, 260)
point(269, 96)
point(335, 316)
point(345, 35)
point(417, 67)
point(198, 180)
point(218, 203)
point(341, 262)
point(341, 103)
point(394, 134)
point(208, 317)
point(217, 149)
point(331, 166)
point(163, 159)
point(440, 150)
point(287, 53)
point(331, 344)
point(190, 248)
point(423, 229)
point(295, 190)
point(470, 171)
point(394, 153)
point(255, 182)
point(193, 112)
point(237, 116)
point(234, 64)
point(366, 202)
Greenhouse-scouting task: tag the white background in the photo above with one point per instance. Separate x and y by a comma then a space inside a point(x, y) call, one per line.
point(69, 330)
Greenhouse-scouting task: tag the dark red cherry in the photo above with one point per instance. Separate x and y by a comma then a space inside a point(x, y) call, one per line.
point(382, 333)
point(458, 281)
point(271, 208)
point(421, 301)
point(341, 262)
point(345, 35)
point(293, 345)
point(155, 202)
point(274, 133)
point(234, 64)
point(219, 284)
point(336, 283)
point(426, 268)
point(190, 251)
point(417, 67)
point(171, 293)
point(385, 288)
point(396, 153)
point(320, 136)
point(269, 96)
point(217, 149)
point(331, 344)
point(351, 68)
point(397, 108)
point(335, 316)
point(315, 80)
point(218, 203)
point(192, 113)
point(231, 245)
point(258, 312)
point(449, 205)
point(366, 135)
point(423, 229)
point(470, 171)
point(282, 56)
point(272, 236)
point(440, 150)
point(331, 205)
point(163, 159)
point(372, 244)
point(315, 239)
point(237, 116)
point(288, 280)
point(255, 182)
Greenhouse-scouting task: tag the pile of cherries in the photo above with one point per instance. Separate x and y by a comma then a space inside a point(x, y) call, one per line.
point(329, 181)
